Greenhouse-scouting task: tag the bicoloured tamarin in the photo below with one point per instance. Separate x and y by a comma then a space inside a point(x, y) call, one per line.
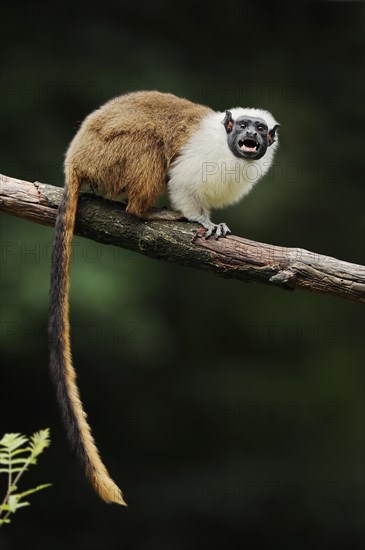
point(138, 146)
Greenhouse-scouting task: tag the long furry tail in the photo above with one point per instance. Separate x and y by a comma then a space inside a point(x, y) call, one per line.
point(63, 372)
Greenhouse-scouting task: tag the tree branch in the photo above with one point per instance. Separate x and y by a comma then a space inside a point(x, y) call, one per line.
point(233, 257)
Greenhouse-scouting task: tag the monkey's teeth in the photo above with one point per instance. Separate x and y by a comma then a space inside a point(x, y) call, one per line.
point(248, 149)
point(248, 145)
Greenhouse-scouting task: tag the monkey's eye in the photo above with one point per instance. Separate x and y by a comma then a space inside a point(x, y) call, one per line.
point(243, 125)
point(261, 128)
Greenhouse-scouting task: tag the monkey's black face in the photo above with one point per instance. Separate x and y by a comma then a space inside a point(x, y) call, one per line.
point(248, 137)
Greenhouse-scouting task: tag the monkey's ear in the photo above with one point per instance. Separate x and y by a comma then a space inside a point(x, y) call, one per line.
point(271, 135)
point(228, 122)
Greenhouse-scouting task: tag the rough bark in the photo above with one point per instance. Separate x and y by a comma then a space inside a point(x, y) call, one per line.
point(232, 257)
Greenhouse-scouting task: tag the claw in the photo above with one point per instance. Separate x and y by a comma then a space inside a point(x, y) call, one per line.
point(209, 232)
point(225, 229)
point(218, 232)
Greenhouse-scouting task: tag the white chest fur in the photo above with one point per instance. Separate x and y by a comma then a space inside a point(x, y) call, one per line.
point(207, 172)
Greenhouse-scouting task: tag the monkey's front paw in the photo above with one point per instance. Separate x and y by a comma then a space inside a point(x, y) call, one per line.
point(218, 230)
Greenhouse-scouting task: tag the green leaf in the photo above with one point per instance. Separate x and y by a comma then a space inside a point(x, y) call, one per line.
point(13, 461)
point(4, 507)
point(2, 521)
point(22, 504)
point(34, 490)
point(13, 503)
point(15, 470)
point(13, 440)
point(39, 441)
point(25, 450)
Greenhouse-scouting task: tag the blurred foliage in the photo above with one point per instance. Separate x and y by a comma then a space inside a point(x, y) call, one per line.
point(15, 460)
point(238, 408)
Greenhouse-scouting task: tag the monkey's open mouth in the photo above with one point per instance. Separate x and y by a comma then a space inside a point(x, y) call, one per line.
point(248, 145)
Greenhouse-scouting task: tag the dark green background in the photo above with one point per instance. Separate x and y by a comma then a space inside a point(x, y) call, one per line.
point(232, 415)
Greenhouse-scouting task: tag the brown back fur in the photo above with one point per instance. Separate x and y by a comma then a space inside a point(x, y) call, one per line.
point(128, 144)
